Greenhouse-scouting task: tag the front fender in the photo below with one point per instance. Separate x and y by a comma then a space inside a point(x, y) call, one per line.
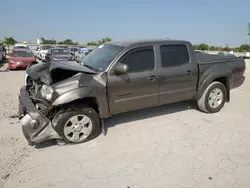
point(86, 92)
point(75, 94)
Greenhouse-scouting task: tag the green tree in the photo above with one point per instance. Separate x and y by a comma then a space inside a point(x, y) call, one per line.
point(9, 40)
point(226, 49)
point(203, 47)
point(213, 48)
point(68, 42)
point(99, 42)
point(249, 28)
point(48, 41)
point(245, 47)
point(92, 43)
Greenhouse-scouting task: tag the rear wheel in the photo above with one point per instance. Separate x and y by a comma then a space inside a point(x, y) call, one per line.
point(213, 98)
point(78, 125)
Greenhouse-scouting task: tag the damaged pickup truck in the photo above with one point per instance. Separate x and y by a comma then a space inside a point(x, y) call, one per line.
point(68, 101)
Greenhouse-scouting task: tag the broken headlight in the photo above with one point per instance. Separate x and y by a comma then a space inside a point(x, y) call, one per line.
point(47, 92)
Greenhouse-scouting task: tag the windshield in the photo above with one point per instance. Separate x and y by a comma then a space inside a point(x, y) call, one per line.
point(60, 52)
point(100, 58)
point(21, 47)
point(22, 54)
point(45, 47)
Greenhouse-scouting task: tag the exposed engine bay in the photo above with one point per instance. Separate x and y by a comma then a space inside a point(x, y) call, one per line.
point(62, 76)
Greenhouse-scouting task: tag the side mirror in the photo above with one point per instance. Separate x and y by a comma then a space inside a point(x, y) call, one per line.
point(120, 68)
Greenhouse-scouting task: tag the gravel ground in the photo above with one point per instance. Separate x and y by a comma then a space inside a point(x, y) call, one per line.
point(170, 146)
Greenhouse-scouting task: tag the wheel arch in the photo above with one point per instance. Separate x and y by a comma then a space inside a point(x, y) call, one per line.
point(220, 74)
point(86, 96)
point(78, 103)
point(225, 81)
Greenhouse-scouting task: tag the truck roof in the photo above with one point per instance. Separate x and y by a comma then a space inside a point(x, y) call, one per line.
point(126, 43)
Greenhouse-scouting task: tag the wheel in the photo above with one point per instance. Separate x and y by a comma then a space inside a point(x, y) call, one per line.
point(78, 125)
point(213, 98)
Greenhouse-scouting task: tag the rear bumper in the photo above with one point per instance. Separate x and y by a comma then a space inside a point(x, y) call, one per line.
point(36, 127)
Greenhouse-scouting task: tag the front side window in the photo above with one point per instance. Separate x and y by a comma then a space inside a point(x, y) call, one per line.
point(139, 59)
point(174, 55)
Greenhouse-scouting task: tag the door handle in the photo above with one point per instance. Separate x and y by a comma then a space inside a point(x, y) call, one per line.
point(188, 72)
point(152, 77)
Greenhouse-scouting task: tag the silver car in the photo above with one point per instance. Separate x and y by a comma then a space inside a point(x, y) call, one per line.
point(80, 54)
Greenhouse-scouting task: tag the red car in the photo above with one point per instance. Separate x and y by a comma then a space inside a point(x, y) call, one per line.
point(21, 58)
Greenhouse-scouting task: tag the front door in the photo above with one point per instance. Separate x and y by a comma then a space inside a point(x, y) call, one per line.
point(138, 88)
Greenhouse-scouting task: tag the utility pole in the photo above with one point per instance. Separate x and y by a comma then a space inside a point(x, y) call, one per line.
point(227, 45)
point(249, 28)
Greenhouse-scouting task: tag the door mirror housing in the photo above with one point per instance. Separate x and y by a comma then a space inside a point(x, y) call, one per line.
point(121, 68)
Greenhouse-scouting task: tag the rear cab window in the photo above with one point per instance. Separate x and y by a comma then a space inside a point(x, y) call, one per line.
point(174, 55)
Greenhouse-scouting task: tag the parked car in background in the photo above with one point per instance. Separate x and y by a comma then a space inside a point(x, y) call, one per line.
point(41, 51)
point(226, 54)
point(200, 52)
point(2, 52)
point(80, 54)
point(59, 54)
point(69, 101)
point(21, 58)
point(247, 55)
point(21, 46)
point(62, 46)
point(1, 56)
point(73, 50)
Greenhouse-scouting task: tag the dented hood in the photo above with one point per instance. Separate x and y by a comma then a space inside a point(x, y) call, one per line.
point(43, 71)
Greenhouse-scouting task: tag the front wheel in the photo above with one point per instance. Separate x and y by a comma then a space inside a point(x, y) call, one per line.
point(78, 125)
point(213, 98)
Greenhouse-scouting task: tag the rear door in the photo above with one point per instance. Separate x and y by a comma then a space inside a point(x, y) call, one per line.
point(178, 74)
point(138, 88)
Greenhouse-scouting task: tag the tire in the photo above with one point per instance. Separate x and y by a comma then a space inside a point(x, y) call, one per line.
point(205, 103)
point(64, 126)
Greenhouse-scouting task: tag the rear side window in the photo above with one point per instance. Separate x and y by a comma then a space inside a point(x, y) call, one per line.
point(174, 55)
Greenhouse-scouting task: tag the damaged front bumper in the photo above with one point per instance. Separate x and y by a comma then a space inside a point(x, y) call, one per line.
point(36, 126)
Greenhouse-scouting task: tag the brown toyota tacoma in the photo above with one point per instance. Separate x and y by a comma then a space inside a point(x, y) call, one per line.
point(68, 101)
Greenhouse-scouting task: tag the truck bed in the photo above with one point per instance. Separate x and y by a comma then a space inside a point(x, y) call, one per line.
point(209, 58)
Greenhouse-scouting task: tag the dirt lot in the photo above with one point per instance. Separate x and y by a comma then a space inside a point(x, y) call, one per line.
point(170, 146)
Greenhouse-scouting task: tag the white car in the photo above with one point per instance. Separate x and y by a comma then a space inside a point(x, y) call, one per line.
point(22, 46)
point(41, 51)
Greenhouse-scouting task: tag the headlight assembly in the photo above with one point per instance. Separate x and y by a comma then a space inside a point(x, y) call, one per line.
point(12, 62)
point(47, 92)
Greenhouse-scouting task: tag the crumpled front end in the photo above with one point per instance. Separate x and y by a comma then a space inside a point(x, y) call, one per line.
point(49, 86)
point(35, 125)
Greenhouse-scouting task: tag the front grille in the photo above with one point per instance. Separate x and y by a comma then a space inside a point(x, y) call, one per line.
point(32, 87)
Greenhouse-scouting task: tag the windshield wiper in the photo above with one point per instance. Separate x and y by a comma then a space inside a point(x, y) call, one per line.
point(92, 68)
